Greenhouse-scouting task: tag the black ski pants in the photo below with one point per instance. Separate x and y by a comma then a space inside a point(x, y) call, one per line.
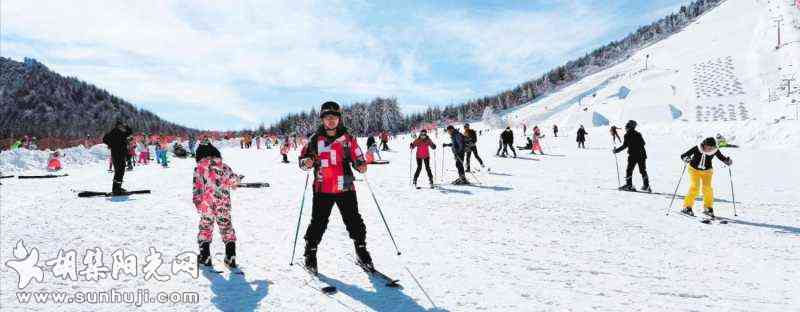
point(460, 163)
point(473, 150)
point(632, 162)
point(505, 149)
point(321, 211)
point(427, 162)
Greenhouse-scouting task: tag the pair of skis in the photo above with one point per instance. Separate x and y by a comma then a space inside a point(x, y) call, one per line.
point(46, 176)
point(705, 219)
point(328, 289)
point(86, 194)
point(254, 185)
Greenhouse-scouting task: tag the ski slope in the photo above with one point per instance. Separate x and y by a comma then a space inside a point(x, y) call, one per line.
point(539, 233)
point(722, 73)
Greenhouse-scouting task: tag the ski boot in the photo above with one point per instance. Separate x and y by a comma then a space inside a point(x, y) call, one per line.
point(311, 259)
point(230, 255)
point(431, 183)
point(117, 189)
point(204, 257)
point(364, 260)
point(627, 187)
point(646, 188)
point(709, 212)
point(688, 211)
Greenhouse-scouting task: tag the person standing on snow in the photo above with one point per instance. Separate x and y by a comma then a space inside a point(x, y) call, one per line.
point(535, 143)
point(333, 153)
point(700, 173)
point(285, 147)
point(582, 137)
point(385, 140)
point(507, 138)
point(636, 157)
point(117, 142)
point(372, 147)
point(211, 196)
point(555, 131)
point(615, 134)
point(458, 147)
point(423, 144)
point(192, 144)
point(470, 141)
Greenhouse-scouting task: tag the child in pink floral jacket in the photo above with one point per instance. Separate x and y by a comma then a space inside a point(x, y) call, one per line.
point(213, 181)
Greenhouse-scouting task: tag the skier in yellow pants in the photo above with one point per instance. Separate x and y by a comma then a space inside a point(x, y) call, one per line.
point(700, 173)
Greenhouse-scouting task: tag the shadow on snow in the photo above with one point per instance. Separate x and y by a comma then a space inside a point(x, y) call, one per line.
point(235, 293)
point(383, 298)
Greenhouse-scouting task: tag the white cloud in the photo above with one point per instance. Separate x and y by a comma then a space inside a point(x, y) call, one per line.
point(191, 53)
point(194, 53)
point(514, 45)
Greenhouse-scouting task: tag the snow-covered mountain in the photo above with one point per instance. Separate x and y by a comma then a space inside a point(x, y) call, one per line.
point(721, 74)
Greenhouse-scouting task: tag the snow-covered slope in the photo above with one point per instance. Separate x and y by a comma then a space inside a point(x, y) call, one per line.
point(722, 73)
point(538, 233)
point(541, 233)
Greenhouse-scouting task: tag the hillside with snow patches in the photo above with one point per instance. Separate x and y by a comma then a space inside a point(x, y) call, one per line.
point(722, 74)
point(533, 233)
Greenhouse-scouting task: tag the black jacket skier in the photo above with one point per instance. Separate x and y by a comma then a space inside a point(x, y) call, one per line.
point(581, 137)
point(507, 138)
point(458, 147)
point(117, 142)
point(470, 142)
point(636, 157)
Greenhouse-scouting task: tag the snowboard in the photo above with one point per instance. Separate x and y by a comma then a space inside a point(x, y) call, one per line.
point(379, 162)
point(46, 176)
point(85, 194)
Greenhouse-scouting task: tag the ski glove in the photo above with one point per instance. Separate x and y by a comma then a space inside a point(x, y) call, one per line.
point(686, 159)
point(728, 161)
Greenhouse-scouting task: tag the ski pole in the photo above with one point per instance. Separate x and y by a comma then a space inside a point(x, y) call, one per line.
point(616, 161)
point(420, 287)
point(733, 196)
point(300, 216)
point(436, 174)
point(381, 212)
point(410, 179)
point(676, 188)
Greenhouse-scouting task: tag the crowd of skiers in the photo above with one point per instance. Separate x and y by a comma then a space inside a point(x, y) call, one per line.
point(331, 155)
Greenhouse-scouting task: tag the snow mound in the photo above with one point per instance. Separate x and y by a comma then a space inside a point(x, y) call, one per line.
point(25, 160)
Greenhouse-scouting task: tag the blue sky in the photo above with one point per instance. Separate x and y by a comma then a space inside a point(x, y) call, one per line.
point(235, 64)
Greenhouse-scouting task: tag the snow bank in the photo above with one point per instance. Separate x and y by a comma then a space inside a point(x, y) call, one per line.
point(32, 161)
point(23, 160)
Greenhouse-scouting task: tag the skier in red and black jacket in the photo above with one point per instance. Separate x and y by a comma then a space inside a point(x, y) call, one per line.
point(333, 153)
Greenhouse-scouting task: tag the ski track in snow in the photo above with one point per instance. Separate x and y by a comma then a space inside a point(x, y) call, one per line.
point(547, 235)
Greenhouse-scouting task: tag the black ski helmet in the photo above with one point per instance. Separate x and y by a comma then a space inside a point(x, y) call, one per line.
point(630, 125)
point(330, 108)
point(466, 125)
point(710, 142)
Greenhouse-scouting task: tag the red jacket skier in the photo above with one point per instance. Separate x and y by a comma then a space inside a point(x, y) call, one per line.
point(333, 153)
point(423, 144)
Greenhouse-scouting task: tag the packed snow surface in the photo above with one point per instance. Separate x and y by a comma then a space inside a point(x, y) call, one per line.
point(534, 233)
